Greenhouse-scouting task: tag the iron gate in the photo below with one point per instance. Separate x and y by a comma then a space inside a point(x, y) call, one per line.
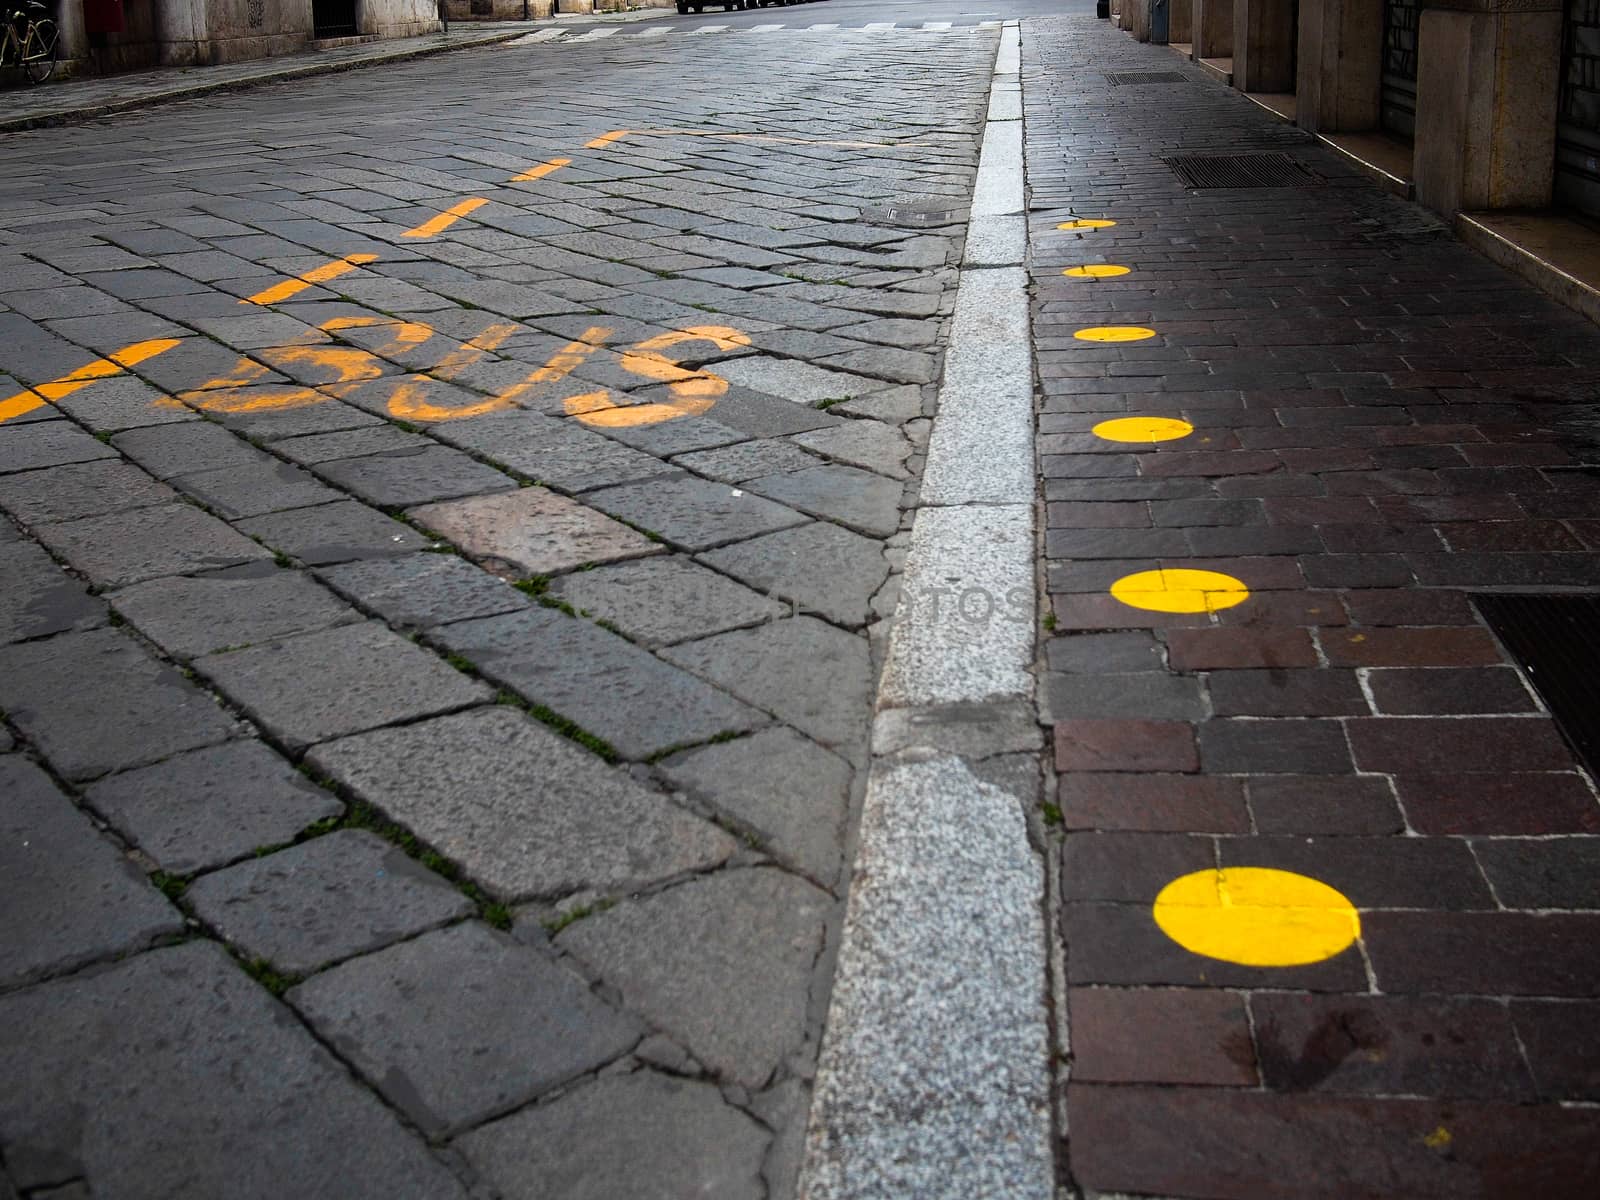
point(333, 18)
point(1398, 102)
point(1577, 181)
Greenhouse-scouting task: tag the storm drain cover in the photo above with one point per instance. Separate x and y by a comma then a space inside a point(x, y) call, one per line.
point(1240, 171)
point(1556, 639)
point(1123, 78)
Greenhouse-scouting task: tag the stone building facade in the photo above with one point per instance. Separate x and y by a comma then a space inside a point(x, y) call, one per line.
point(1484, 104)
point(181, 33)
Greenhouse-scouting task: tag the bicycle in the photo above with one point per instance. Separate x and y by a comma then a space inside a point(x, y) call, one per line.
point(30, 41)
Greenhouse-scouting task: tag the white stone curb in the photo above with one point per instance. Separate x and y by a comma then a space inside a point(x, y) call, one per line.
point(933, 1082)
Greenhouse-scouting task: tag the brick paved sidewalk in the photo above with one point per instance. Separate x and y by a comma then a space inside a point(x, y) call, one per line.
point(1384, 425)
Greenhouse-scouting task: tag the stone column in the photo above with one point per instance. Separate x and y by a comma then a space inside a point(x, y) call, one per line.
point(1340, 66)
point(1139, 19)
point(1263, 45)
point(1487, 78)
point(182, 37)
point(1213, 28)
point(1179, 28)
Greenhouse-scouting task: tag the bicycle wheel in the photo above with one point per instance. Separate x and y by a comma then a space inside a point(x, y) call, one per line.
point(39, 50)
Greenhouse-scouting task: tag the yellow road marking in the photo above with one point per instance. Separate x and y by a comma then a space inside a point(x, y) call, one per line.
point(1180, 590)
point(1142, 429)
point(113, 364)
point(1087, 223)
point(1115, 333)
point(293, 287)
point(1257, 916)
point(410, 403)
point(560, 364)
point(605, 139)
point(693, 392)
point(446, 219)
point(1096, 271)
point(543, 169)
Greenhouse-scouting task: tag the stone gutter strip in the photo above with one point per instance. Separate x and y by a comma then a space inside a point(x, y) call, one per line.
point(933, 1080)
point(221, 78)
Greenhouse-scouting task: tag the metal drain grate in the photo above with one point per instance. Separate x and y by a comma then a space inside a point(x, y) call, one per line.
point(1240, 171)
point(1557, 641)
point(1122, 78)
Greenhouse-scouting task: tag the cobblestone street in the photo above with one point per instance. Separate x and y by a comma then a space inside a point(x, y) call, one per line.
point(450, 534)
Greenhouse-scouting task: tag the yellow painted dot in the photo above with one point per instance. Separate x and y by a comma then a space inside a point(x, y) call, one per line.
point(1257, 916)
point(1114, 333)
point(1180, 590)
point(1087, 223)
point(1097, 271)
point(1143, 429)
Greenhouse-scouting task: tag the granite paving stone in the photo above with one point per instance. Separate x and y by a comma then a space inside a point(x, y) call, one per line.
point(71, 896)
point(624, 1135)
point(31, 445)
point(123, 548)
point(334, 533)
point(759, 415)
point(821, 567)
point(800, 382)
point(79, 490)
point(792, 794)
point(339, 681)
point(96, 702)
point(871, 445)
point(346, 893)
point(311, 448)
point(106, 1070)
point(524, 812)
point(559, 453)
point(694, 514)
point(720, 962)
point(205, 808)
point(399, 478)
point(195, 446)
point(663, 600)
point(188, 616)
point(747, 460)
point(856, 499)
point(532, 531)
point(463, 1024)
point(42, 599)
point(609, 687)
point(419, 591)
point(805, 672)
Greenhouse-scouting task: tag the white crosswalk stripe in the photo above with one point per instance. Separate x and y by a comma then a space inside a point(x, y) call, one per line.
point(660, 31)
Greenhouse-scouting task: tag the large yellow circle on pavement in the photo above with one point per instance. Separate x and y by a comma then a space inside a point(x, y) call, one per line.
point(1142, 429)
point(1086, 223)
point(1114, 333)
point(1097, 271)
point(1257, 917)
point(1180, 590)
